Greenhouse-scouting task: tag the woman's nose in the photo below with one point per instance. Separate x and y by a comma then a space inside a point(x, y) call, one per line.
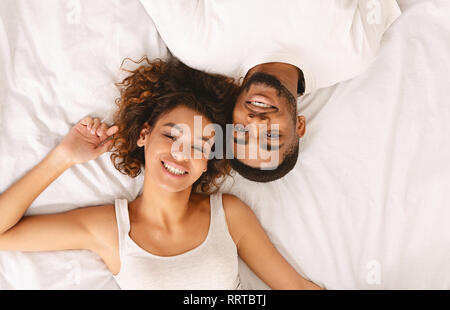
point(180, 155)
point(180, 149)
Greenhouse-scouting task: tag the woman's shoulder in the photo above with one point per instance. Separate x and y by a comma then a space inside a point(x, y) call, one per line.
point(101, 224)
point(238, 215)
point(98, 213)
point(233, 204)
point(99, 220)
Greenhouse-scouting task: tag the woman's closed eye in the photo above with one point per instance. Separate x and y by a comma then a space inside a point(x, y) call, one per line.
point(170, 136)
point(196, 147)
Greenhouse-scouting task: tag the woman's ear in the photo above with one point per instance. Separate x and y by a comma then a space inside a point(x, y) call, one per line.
point(143, 135)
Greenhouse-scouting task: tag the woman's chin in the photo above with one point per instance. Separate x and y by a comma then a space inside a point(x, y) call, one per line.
point(172, 188)
point(173, 183)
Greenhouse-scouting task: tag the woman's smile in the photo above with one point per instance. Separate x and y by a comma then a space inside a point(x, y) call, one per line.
point(173, 170)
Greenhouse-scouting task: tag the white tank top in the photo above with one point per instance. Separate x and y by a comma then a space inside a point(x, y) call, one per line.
point(213, 265)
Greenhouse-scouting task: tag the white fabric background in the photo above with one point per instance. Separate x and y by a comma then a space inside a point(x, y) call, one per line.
point(330, 40)
point(367, 206)
point(59, 63)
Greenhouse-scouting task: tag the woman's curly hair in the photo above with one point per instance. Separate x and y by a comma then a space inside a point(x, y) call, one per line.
point(157, 87)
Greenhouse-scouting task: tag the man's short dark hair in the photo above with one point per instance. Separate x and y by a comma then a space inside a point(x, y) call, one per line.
point(301, 84)
point(264, 176)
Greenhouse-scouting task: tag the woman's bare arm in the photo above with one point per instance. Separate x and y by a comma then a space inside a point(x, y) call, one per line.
point(58, 231)
point(72, 230)
point(257, 251)
point(15, 201)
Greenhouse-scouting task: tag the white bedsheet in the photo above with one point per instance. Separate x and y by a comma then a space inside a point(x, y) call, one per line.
point(59, 62)
point(367, 206)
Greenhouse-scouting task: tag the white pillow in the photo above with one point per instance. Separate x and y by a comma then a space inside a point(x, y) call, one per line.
point(330, 40)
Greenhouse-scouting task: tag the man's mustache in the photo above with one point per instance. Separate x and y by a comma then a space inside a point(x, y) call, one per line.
point(270, 80)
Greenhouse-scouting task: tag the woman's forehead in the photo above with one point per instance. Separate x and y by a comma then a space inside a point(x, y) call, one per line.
point(192, 122)
point(182, 114)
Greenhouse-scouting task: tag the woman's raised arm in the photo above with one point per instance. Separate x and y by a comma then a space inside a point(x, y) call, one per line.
point(86, 141)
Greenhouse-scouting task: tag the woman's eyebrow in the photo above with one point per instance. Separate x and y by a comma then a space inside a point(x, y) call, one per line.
point(206, 139)
point(173, 125)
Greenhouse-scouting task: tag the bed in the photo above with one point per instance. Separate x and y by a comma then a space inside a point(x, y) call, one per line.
point(367, 206)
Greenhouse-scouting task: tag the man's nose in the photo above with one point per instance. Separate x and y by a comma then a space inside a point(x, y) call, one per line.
point(257, 119)
point(256, 126)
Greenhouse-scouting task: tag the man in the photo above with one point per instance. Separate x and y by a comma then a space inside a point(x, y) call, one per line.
point(277, 50)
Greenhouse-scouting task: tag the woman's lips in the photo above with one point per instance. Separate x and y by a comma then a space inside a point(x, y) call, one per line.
point(173, 166)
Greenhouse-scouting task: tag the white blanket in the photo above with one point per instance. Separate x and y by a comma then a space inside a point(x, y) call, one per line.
point(367, 206)
point(59, 62)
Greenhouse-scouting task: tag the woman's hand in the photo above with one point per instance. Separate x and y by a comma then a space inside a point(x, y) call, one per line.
point(87, 140)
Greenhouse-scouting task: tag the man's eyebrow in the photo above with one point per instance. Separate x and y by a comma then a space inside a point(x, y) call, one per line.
point(274, 147)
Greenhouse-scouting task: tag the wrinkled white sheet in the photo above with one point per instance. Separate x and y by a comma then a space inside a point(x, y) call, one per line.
point(59, 62)
point(367, 206)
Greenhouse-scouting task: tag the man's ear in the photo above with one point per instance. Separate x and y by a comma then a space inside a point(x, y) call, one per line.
point(301, 126)
point(143, 135)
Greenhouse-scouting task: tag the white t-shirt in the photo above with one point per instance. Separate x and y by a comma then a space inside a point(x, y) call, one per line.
point(329, 40)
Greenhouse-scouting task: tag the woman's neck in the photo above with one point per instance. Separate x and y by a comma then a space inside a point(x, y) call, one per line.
point(159, 207)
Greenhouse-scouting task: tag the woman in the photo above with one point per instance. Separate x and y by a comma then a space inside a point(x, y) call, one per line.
point(173, 236)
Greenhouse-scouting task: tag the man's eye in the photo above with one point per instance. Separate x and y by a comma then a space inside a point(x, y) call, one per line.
point(272, 135)
point(199, 149)
point(240, 128)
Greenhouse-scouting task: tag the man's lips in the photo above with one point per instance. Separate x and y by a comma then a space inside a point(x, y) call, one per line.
point(260, 103)
point(262, 99)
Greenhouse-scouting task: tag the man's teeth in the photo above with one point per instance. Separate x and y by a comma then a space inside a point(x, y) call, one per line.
point(174, 170)
point(260, 104)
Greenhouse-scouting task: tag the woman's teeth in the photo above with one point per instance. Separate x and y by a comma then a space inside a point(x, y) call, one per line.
point(174, 170)
point(260, 104)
